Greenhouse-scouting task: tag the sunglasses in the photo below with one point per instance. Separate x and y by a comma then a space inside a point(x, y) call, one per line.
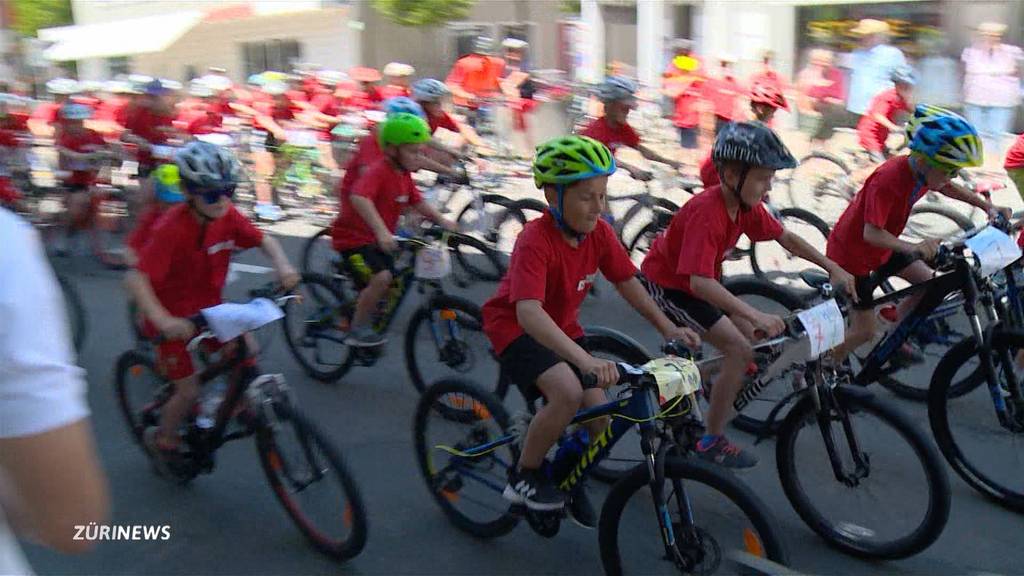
point(213, 196)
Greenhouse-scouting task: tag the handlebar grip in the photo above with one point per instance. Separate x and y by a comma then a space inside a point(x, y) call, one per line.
point(677, 348)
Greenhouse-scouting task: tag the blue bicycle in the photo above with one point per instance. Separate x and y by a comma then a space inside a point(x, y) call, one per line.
point(466, 444)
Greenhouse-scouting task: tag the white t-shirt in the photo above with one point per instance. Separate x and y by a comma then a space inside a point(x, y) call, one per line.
point(40, 387)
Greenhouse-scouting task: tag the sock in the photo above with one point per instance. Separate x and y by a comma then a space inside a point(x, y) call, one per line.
point(707, 441)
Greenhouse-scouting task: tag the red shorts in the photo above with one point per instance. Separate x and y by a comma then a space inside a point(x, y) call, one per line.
point(173, 360)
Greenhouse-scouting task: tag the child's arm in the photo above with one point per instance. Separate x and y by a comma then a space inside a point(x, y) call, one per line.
point(142, 294)
point(368, 212)
point(957, 192)
point(538, 324)
point(434, 216)
point(633, 292)
point(712, 291)
point(655, 157)
point(286, 274)
point(889, 125)
point(884, 239)
point(467, 132)
point(800, 248)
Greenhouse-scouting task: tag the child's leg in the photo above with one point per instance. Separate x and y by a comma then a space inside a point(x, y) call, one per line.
point(861, 330)
point(595, 397)
point(564, 394)
point(737, 355)
point(374, 292)
point(915, 273)
point(176, 363)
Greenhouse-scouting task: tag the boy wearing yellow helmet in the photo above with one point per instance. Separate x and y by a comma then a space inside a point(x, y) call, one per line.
point(532, 320)
point(363, 232)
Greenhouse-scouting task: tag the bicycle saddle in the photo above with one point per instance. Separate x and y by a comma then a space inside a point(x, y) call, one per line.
point(814, 278)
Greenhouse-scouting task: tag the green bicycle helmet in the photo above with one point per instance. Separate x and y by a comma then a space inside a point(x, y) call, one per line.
point(403, 128)
point(569, 159)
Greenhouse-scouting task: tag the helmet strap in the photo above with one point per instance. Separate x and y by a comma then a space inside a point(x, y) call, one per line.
point(559, 211)
point(195, 210)
point(739, 187)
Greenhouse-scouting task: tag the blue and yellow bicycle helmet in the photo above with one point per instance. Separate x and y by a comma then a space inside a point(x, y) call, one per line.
point(167, 180)
point(944, 138)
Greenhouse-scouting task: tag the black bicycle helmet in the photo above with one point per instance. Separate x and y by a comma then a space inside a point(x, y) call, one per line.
point(753, 144)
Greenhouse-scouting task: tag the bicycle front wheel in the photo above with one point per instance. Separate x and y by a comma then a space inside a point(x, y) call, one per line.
point(986, 452)
point(893, 499)
point(315, 325)
point(445, 338)
point(310, 480)
point(712, 513)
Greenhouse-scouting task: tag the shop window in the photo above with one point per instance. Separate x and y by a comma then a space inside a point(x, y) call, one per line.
point(117, 65)
point(279, 55)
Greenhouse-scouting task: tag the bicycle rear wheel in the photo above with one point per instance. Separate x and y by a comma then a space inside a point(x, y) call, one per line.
point(894, 500)
point(712, 513)
point(445, 338)
point(772, 262)
point(822, 183)
point(452, 417)
point(477, 258)
point(319, 256)
point(297, 458)
point(984, 451)
point(141, 391)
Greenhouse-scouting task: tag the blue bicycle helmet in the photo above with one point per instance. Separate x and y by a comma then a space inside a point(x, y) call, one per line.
point(903, 75)
point(944, 138)
point(403, 105)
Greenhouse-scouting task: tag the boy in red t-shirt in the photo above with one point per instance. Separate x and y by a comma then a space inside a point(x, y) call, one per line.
point(167, 193)
point(431, 94)
point(765, 101)
point(364, 231)
point(1014, 165)
point(618, 94)
point(683, 268)
point(683, 83)
point(874, 126)
point(182, 269)
point(80, 152)
point(532, 320)
point(866, 237)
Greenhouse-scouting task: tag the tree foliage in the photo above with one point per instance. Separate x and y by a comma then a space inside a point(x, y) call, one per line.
point(423, 12)
point(31, 15)
point(570, 6)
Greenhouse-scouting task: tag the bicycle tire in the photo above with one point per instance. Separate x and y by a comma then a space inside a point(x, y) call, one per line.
point(794, 175)
point(806, 217)
point(637, 250)
point(939, 411)
point(718, 480)
point(470, 318)
point(502, 202)
point(515, 214)
point(622, 225)
point(128, 362)
point(352, 514)
point(937, 514)
point(78, 321)
point(314, 243)
point(446, 494)
point(322, 287)
point(495, 269)
point(787, 299)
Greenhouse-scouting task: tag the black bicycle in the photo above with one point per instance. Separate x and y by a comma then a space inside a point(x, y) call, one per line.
point(444, 335)
point(297, 458)
point(843, 455)
point(74, 308)
point(465, 448)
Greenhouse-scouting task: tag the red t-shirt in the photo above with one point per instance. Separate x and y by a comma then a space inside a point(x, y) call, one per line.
point(48, 112)
point(8, 138)
point(477, 74)
point(699, 236)
point(1015, 155)
point(366, 155)
point(708, 173)
point(687, 105)
point(144, 227)
point(885, 201)
point(622, 135)
point(113, 109)
point(545, 267)
point(153, 127)
point(723, 94)
point(382, 93)
point(836, 89)
point(187, 262)
point(87, 141)
point(274, 111)
point(361, 100)
point(870, 133)
point(442, 120)
point(17, 121)
point(328, 104)
point(391, 190)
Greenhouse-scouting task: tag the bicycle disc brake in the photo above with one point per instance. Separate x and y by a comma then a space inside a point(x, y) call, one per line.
point(698, 551)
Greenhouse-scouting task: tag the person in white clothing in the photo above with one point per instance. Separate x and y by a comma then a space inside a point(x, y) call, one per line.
point(50, 476)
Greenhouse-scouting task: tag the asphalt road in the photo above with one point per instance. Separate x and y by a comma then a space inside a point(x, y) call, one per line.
point(230, 523)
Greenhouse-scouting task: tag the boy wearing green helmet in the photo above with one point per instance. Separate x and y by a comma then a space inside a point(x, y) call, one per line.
point(532, 319)
point(363, 232)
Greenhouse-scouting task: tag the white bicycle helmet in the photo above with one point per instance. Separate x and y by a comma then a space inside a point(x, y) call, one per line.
point(62, 86)
point(76, 112)
point(615, 88)
point(429, 90)
point(198, 88)
point(398, 69)
point(514, 44)
point(206, 167)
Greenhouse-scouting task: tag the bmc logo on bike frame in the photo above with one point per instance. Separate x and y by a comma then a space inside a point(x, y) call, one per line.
point(586, 459)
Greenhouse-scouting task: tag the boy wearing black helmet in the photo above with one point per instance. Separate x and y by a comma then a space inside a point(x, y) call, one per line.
point(683, 268)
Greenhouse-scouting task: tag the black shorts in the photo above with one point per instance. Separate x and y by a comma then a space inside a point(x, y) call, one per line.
point(688, 137)
point(145, 170)
point(525, 359)
point(364, 262)
point(76, 188)
point(867, 284)
point(681, 308)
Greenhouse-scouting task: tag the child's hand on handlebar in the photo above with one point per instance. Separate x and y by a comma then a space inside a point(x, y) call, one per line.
point(175, 328)
point(606, 371)
point(927, 248)
point(682, 334)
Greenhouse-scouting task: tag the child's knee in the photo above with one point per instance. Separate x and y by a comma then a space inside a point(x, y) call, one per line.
point(187, 388)
point(561, 388)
